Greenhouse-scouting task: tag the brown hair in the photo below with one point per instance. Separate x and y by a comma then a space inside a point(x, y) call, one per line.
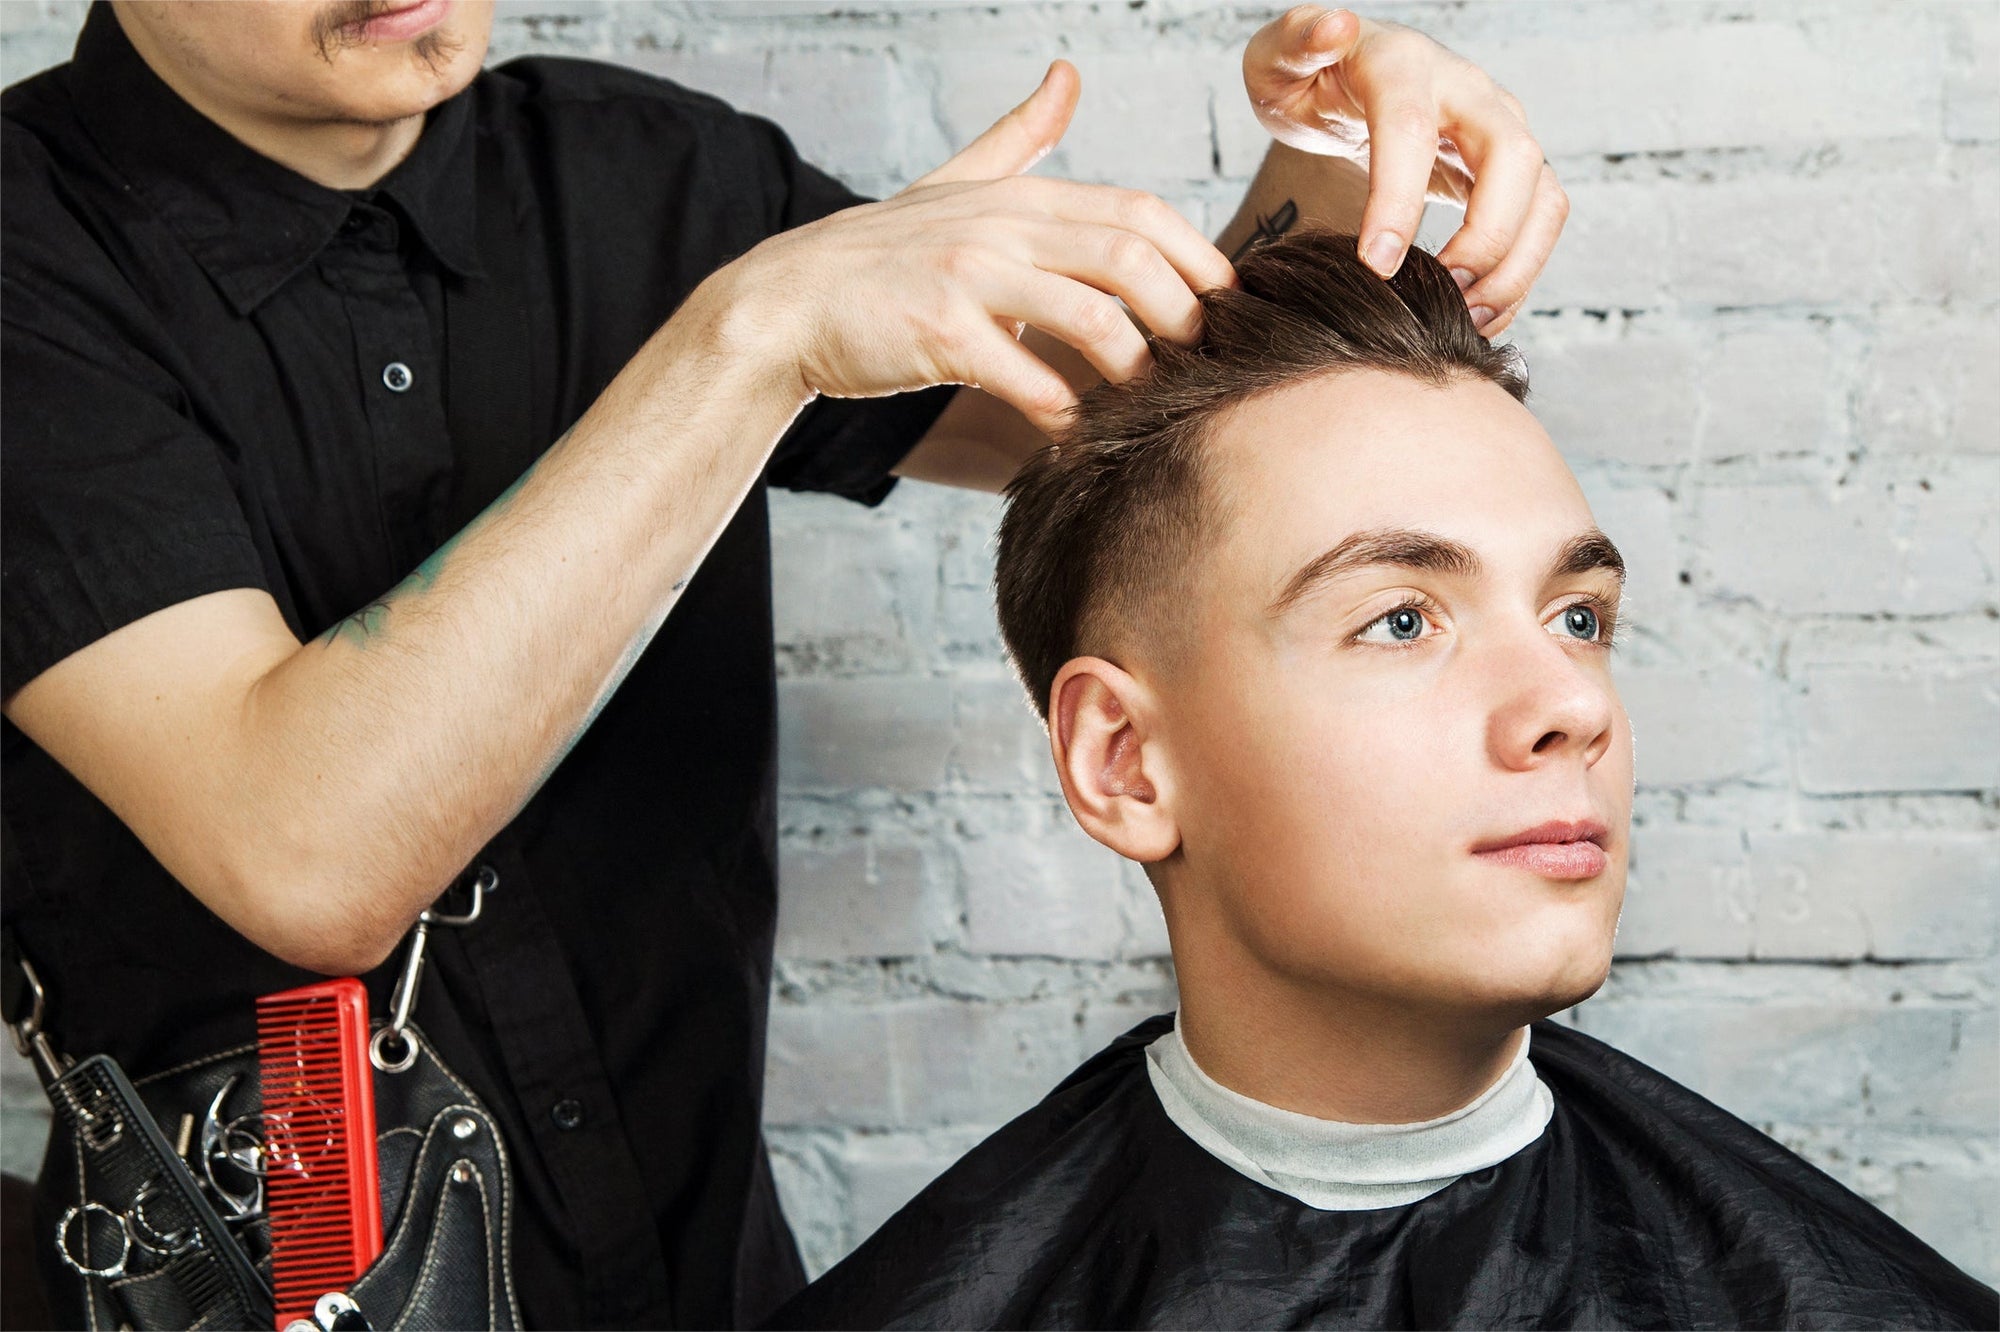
point(1101, 528)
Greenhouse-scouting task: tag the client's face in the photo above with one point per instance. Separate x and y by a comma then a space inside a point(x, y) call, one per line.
point(1401, 671)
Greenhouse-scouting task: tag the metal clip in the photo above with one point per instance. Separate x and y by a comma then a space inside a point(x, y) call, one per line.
point(332, 1312)
point(32, 1041)
point(403, 1000)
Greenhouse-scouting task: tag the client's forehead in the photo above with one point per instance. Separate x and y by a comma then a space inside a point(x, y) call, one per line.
point(1297, 470)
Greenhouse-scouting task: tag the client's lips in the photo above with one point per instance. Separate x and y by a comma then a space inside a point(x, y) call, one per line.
point(1558, 849)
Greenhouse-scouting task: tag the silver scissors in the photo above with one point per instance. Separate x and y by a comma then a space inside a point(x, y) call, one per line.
point(235, 1144)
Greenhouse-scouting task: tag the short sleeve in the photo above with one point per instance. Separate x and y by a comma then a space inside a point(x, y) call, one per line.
point(114, 505)
point(841, 446)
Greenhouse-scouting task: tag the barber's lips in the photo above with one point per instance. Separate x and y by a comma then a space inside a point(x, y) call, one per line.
point(405, 21)
point(1555, 850)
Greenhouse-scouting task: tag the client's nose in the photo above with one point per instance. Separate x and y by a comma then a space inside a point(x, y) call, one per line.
point(1548, 705)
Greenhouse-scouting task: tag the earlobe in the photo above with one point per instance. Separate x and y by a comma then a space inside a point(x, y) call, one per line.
point(1112, 768)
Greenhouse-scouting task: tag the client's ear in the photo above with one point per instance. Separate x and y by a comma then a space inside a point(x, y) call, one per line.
point(1113, 773)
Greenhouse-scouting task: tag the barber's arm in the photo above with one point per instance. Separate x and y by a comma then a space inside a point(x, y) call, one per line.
point(317, 796)
point(1357, 110)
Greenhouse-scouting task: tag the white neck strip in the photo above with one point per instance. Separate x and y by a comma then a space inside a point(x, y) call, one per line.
point(1340, 1167)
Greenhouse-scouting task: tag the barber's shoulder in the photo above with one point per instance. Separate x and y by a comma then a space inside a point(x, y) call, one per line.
point(562, 85)
point(593, 123)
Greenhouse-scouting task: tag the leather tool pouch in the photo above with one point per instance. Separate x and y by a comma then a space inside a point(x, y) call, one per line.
point(447, 1206)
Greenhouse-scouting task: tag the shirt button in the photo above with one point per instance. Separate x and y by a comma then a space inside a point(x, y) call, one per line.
point(396, 377)
point(568, 1114)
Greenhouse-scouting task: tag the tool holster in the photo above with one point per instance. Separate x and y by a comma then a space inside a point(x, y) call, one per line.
point(150, 1211)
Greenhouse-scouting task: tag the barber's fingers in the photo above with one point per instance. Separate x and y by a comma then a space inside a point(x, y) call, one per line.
point(1495, 297)
point(989, 360)
point(1080, 315)
point(1391, 77)
point(1126, 265)
point(1301, 42)
point(1019, 139)
point(1507, 173)
point(1191, 254)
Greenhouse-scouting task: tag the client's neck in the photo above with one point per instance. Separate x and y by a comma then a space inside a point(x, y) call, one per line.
point(1329, 1053)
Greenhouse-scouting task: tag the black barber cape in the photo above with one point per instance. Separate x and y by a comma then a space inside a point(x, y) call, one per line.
point(221, 375)
point(1641, 1205)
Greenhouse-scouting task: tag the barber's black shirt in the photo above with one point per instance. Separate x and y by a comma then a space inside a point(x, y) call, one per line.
point(218, 374)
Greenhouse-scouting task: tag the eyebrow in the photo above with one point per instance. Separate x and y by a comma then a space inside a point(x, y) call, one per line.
point(1409, 548)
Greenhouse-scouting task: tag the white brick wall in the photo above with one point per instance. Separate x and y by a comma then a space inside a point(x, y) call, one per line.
point(1769, 345)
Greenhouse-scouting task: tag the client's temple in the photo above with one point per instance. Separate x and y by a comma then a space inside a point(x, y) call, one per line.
point(1320, 624)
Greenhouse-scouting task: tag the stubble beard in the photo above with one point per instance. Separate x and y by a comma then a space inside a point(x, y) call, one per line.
point(338, 27)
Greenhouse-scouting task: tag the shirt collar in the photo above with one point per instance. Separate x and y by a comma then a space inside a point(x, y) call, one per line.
point(1348, 1167)
point(250, 222)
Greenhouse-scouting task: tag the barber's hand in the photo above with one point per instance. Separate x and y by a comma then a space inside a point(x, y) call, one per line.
point(934, 285)
point(1426, 124)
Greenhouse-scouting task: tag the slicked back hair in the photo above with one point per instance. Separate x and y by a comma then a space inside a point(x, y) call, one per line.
point(1101, 529)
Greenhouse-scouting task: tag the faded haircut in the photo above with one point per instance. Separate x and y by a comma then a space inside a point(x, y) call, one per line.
point(1101, 529)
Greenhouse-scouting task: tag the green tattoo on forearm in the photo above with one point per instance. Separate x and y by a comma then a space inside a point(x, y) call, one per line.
point(370, 619)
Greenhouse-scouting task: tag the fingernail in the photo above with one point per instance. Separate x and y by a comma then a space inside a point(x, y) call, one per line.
point(1463, 277)
point(1385, 253)
point(1482, 315)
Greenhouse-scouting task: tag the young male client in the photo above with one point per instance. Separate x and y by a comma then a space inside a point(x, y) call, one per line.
point(1320, 624)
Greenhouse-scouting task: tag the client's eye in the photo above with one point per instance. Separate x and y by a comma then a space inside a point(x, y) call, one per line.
point(1586, 621)
point(1579, 622)
point(1404, 624)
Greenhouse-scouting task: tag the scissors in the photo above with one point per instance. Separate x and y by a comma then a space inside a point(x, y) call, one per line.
point(236, 1144)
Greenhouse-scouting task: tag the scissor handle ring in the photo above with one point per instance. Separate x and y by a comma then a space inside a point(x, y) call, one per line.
point(109, 1271)
point(149, 1236)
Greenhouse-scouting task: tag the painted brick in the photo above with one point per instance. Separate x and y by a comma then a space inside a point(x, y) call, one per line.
point(1796, 547)
point(1768, 389)
point(857, 898)
point(1835, 896)
point(24, 1116)
point(1814, 1062)
point(852, 591)
point(1875, 236)
point(1615, 252)
point(810, 1192)
point(1640, 521)
point(1052, 893)
point(1955, 1204)
point(1687, 85)
point(844, 734)
point(958, 1064)
point(1928, 386)
point(1971, 95)
point(1157, 87)
point(1865, 729)
point(1613, 392)
point(1695, 726)
point(998, 741)
point(829, 1063)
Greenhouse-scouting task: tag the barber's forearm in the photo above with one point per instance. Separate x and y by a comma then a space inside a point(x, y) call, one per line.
point(388, 751)
point(1294, 189)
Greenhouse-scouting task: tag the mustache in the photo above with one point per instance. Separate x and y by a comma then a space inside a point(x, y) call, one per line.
point(338, 26)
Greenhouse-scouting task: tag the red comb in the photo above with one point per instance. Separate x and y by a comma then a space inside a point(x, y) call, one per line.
point(321, 1193)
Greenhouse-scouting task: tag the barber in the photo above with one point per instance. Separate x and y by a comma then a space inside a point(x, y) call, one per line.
point(298, 300)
